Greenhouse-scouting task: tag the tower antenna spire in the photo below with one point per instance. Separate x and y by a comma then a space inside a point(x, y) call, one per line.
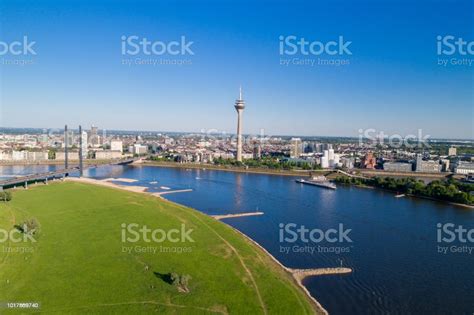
point(240, 92)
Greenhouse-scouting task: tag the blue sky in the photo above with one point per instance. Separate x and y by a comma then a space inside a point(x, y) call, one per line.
point(391, 84)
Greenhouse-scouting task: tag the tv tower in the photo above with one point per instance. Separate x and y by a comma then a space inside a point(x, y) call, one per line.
point(239, 107)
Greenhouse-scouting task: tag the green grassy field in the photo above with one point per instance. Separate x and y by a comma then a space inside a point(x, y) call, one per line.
point(78, 265)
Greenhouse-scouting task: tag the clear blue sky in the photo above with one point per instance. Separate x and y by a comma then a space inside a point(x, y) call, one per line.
point(392, 84)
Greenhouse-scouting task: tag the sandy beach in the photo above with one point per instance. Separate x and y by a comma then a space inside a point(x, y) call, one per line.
point(123, 180)
point(137, 189)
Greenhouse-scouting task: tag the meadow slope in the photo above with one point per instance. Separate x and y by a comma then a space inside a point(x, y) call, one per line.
point(79, 264)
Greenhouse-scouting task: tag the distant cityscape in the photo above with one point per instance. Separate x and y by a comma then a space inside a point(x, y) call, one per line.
point(36, 146)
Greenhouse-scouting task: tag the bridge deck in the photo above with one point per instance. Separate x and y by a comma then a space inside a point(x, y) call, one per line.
point(37, 177)
point(55, 174)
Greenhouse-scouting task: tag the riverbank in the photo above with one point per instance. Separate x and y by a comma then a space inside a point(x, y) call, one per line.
point(325, 172)
point(298, 275)
point(230, 168)
point(410, 195)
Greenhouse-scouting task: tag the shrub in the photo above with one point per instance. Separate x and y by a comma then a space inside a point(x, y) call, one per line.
point(28, 227)
point(5, 195)
point(181, 282)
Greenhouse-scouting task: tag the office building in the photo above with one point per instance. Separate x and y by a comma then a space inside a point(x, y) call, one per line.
point(397, 167)
point(465, 168)
point(296, 147)
point(369, 161)
point(452, 151)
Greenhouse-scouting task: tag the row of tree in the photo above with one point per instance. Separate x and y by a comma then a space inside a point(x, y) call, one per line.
point(269, 163)
point(449, 190)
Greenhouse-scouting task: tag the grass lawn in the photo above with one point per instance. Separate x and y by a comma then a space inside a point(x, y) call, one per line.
point(79, 265)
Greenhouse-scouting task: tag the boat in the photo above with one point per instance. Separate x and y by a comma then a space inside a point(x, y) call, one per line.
point(320, 181)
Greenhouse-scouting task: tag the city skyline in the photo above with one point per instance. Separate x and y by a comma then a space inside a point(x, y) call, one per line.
point(392, 83)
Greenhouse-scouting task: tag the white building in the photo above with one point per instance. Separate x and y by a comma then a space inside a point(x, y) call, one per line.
point(296, 147)
point(452, 151)
point(324, 161)
point(397, 167)
point(84, 145)
point(108, 154)
point(19, 155)
point(465, 168)
point(140, 149)
point(71, 155)
point(116, 145)
point(348, 162)
point(37, 156)
point(5, 156)
point(330, 154)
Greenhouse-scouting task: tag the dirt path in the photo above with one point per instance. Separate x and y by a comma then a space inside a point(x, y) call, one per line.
point(262, 304)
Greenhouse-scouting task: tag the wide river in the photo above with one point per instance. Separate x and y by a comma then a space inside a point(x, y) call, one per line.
point(392, 243)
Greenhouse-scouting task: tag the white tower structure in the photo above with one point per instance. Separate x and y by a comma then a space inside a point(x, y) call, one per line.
point(239, 107)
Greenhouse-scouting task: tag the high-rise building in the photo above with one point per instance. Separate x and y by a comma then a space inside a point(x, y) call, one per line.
point(324, 161)
point(427, 166)
point(445, 163)
point(296, 147)
point(452, 151)
point(239, 107)
point(419, 161)
point(257, 151)
point(327, 146)
point(369, 161)
point(348, 162)
point(331, 154)
point(94, 137)
point(84, 144)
